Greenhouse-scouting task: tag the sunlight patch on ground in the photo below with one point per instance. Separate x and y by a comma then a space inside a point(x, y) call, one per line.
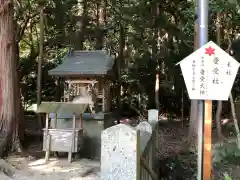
point(54, 169)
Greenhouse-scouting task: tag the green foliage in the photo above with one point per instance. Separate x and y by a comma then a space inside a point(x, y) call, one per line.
point(174, 26)
point(178, 167)
point(227, 177)
point(29, 78)
point(227, 153)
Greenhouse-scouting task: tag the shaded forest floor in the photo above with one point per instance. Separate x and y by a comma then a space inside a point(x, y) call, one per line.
point(176, 163)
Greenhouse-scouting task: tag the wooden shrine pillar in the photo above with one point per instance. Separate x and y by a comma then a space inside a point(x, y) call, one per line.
point(48, 138)
point(73, 139)
point(103, 96)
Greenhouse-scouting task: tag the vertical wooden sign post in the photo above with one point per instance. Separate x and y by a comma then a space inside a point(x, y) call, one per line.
point(207, 140)
point(209, 74)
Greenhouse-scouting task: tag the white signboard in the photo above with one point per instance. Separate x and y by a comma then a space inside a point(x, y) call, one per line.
point(209, 73)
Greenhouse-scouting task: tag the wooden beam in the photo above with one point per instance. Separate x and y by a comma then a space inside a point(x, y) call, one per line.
point(55, 120)
point(81, 81)
point(80, 121)
point(207, 151)
point(47, 153)
point(148, 169)
point(103, 98)
point(72, 146)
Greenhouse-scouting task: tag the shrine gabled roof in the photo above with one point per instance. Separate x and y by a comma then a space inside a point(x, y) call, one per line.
point(96, 62)
point(63, 107)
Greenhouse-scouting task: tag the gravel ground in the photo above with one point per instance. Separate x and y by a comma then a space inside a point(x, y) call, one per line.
point(16, 168)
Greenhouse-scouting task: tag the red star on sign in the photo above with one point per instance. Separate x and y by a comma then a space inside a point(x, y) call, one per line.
point(209, 51)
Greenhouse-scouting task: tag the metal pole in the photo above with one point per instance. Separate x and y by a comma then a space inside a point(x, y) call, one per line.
point(202, 12)
point(200, 139)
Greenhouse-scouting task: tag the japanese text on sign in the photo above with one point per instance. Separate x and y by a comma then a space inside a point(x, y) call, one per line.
point(193, 75)
point(209, 68)
point(228, 68)
point(202, 78)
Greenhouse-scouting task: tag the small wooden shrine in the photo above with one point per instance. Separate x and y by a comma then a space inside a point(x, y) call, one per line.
point(62, 140)
point(87, 77)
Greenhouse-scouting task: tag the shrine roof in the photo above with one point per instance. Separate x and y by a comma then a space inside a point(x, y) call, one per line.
point(96, 62)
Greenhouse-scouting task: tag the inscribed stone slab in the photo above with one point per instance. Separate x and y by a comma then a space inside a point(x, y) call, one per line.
point(118, 153)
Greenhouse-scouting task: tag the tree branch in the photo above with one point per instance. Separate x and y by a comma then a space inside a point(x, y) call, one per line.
point(21, 30)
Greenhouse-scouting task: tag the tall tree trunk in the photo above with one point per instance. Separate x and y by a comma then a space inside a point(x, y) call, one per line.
point(58, 89)
point(234, 116)
point(193, 128)
point(8, 117)
point(154, 54)
point(100, 17)
point(233, 111)
point(80, 32)
point(219, 103)
point(18, 102)
point(120, 60)
point(40, 61)
point(218, 120)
